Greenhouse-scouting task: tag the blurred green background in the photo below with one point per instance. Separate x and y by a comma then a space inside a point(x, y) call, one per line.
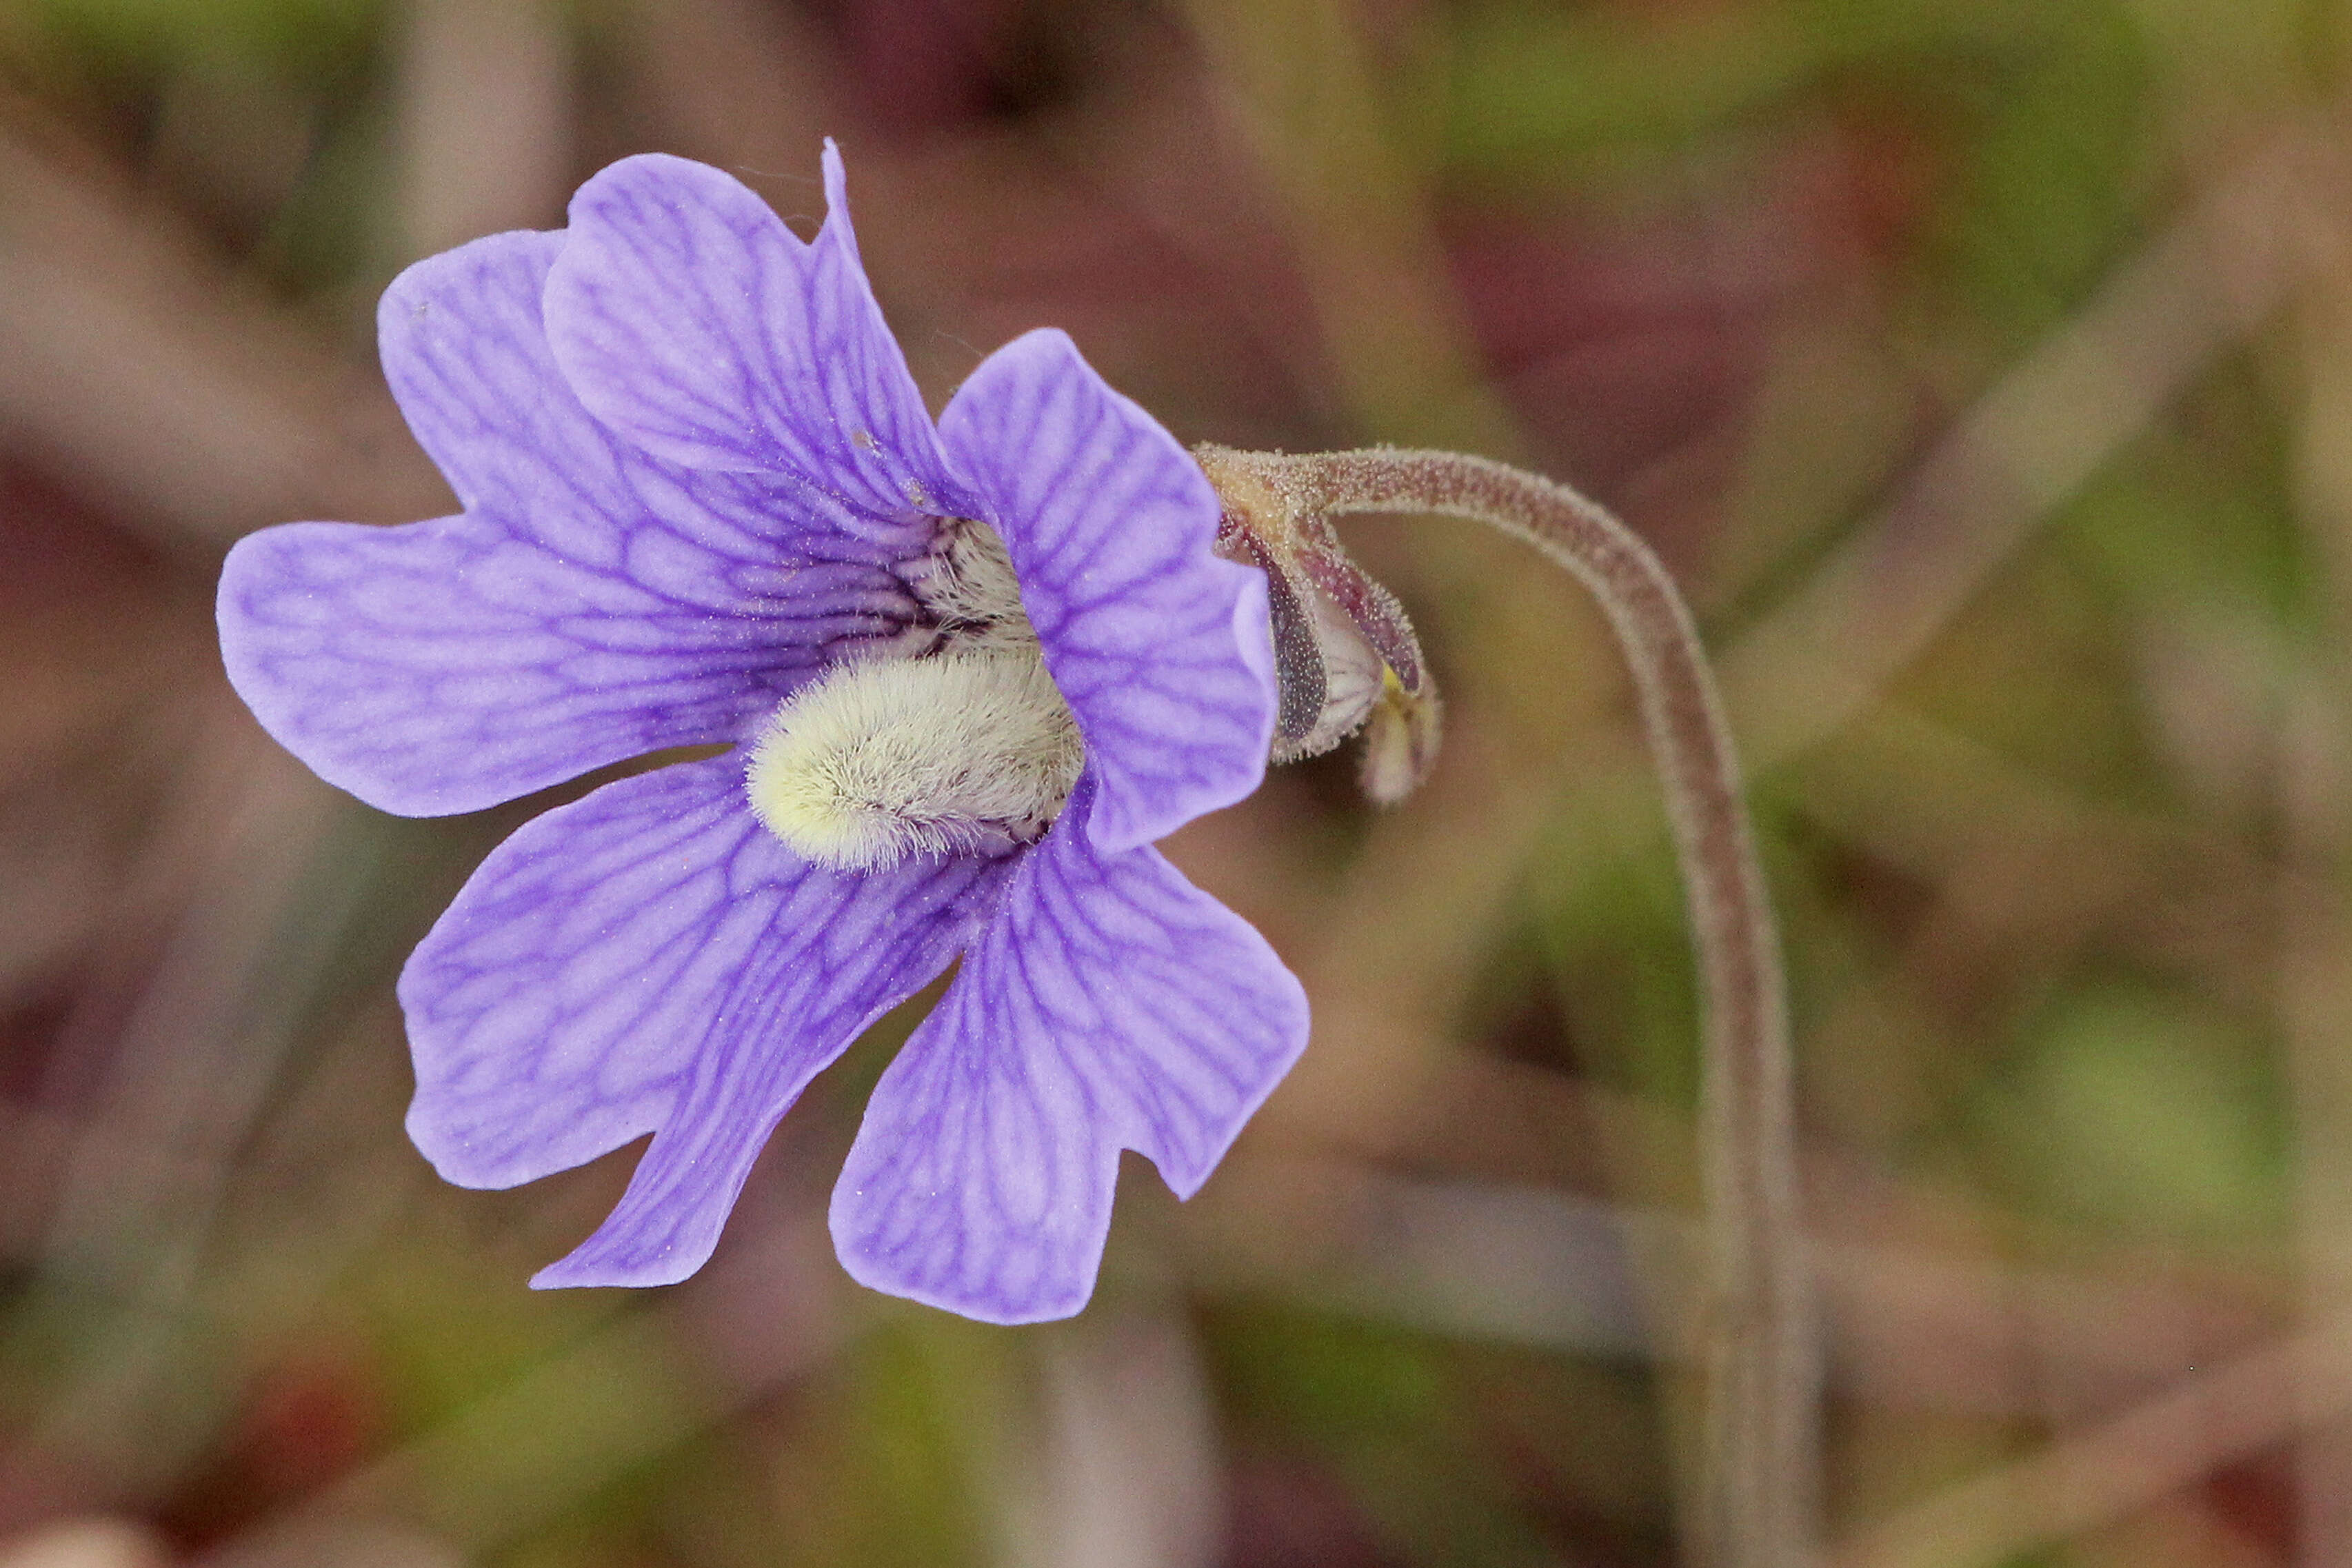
point(1983, 367)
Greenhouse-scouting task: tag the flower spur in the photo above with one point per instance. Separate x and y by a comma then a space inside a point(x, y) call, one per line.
point(969, 672)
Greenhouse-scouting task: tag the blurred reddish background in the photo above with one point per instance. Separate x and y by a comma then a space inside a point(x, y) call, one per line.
point(1983, 367)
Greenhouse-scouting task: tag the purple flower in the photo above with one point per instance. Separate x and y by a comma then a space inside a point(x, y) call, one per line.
point(970, 673)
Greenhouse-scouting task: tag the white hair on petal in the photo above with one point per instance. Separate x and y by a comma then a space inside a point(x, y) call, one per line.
point(970, 750)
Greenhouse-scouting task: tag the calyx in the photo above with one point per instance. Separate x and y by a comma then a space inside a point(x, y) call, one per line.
point(1346, 658)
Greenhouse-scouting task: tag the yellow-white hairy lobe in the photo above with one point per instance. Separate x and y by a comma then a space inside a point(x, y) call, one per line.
point(971, 590)
point(969, 749)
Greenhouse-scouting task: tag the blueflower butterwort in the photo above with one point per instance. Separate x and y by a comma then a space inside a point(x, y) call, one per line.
point(968, 673)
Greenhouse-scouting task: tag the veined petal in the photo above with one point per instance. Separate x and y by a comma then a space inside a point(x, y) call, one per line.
point(1110, 1004)
point(555, 1006)
point(1162, 651)
point(593, 604)
point(650, 958)
point(688, 316)
point(444, 667)
point(465, 345)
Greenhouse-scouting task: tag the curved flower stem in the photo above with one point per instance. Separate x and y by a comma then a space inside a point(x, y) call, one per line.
point(1755, 1490)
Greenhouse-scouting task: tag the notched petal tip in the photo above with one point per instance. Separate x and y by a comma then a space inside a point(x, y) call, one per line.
point(1055, 1299)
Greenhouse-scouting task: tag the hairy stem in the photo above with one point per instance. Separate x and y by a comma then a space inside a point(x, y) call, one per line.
point(1756, 1481)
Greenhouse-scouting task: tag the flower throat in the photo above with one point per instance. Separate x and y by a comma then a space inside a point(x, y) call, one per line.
point(953, 739)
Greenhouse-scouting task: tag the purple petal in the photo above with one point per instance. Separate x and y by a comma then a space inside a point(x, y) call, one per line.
point(1111, 1004)
point(555, 1005)
point(592, 606)
point(688, 316)
point(1163, 651)
point(650, 957)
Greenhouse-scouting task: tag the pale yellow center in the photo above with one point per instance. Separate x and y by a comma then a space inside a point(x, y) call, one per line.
point(966, 749)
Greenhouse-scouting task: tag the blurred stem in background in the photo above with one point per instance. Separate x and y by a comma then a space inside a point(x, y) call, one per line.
point(2315, 882)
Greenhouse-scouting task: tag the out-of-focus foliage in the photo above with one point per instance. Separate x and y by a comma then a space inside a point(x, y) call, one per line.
point(1984, 367)
point(296, 36)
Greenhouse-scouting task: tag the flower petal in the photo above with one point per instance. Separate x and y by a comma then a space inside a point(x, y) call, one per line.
point(688, 316)
point(555, 1005)
point(1111, 1004)
point(650, 957)
point(592, 606)
point(1162, 651)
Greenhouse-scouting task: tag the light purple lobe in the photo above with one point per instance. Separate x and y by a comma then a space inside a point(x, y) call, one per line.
point(650, 958)
point(591, 605)
point(1110, 1004)
point(1163, 651)
point(689, 317)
